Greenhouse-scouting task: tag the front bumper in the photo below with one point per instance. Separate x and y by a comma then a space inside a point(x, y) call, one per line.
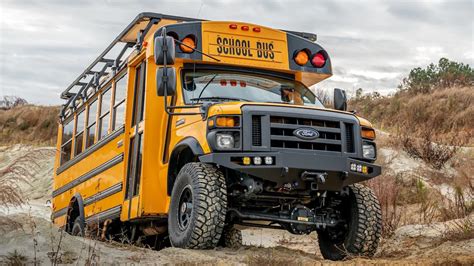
point(289, 166)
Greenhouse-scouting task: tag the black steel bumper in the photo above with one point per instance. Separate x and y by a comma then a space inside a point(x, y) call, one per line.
point(288, 167)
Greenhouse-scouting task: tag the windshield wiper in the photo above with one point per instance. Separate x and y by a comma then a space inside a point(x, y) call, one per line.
point(207, 84)
point(218, 98)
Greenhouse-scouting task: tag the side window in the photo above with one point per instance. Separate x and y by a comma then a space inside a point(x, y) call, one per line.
point(139, 98)
point(119, 103)
point(79, 136)
point(104, 112)
point(66, 144)
point(91, 122)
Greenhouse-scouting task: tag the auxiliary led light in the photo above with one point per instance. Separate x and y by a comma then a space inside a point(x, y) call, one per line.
point(257, 160)
point(268, 160)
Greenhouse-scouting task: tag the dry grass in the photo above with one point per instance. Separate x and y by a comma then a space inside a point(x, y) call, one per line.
point(29, 124)
point(445, 110)
point(387, 190)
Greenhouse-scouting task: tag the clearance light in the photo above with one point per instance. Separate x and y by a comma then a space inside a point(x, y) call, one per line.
point(227, 121)
point(301, 57)
point(318, 60)
point(233, 26)
point(245, 28)
point(243, 84)
point(233, 83)
point(246, 160)
point(189, 44)
point(223, 83)
point(256, 29)
point(368, 133)
point(210, 122)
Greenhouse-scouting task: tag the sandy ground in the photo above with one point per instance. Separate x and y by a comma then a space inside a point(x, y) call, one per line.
point(35, 239)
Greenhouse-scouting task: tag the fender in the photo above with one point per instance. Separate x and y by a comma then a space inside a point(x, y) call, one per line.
point(190, 143)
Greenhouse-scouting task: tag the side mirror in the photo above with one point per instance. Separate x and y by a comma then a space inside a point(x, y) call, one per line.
point(166, 82)
point(164, 48)
point(340, 99)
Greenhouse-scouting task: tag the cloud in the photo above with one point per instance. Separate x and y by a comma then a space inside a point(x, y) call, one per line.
point(45, 45)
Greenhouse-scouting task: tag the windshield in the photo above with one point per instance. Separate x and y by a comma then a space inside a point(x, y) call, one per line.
point(210, 85)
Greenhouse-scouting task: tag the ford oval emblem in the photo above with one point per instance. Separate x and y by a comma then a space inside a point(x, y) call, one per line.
point(306, 133)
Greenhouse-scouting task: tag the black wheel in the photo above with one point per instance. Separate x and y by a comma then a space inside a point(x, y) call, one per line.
point(360, 235)
point(198, 207)
point(78, 227)
point(231, 237)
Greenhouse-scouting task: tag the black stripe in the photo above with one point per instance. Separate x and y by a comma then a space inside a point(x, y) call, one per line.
point(90, 150)
point(103, 194)
point(59, 213)
point(111, 213)
point(89, 175)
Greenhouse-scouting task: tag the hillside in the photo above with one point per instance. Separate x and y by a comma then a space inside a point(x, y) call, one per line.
point(29, 124)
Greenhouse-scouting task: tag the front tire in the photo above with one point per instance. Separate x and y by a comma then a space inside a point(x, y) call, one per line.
point(362, 233)
point(198, 207)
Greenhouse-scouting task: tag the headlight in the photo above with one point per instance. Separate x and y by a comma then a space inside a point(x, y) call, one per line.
point(368, 151)
point(224, 141)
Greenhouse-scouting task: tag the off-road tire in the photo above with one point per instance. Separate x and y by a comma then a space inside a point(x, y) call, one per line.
point(231, 237)
point(209, 207)
point(78, 227)
point(364, 228)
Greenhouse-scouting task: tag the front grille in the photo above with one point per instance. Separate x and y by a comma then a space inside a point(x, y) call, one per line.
point(256, 130)
point(350, 137)
point(282, 128)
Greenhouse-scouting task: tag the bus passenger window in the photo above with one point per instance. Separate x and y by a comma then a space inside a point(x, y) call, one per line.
point(104, 113)
point(79, 136)
point(66, 141)
point(91, 122)
point(119, 105)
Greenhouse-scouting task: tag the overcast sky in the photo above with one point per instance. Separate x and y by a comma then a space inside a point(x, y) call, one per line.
point(45, 45)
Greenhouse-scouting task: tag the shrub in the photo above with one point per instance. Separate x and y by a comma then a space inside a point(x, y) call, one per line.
point(425, 148)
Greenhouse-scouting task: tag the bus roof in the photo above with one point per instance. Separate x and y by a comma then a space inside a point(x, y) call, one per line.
point(131, 36)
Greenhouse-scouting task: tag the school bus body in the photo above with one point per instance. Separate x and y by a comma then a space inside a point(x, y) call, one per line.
point(125, 172)
point(153, 199)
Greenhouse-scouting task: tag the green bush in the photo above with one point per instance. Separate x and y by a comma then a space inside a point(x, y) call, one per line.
point(445, 74)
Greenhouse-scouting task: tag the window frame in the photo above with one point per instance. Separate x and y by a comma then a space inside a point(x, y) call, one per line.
point(69, 120)
point(120, 76)
point(81, 110)
point(91, 101)
point(108, 87)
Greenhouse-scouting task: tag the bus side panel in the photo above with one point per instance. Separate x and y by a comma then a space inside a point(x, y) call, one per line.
point(107, 156)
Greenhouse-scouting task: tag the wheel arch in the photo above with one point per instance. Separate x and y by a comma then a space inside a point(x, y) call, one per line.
point(75, 209)
point(187, 150)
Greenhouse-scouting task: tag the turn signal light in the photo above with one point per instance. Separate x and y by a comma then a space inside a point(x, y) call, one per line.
point(368, 133)
point(227, 121)
point(301, 57)
point(318, 60)
point(188, 44)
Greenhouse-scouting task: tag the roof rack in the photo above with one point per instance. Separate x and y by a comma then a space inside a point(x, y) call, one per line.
point(132, 36)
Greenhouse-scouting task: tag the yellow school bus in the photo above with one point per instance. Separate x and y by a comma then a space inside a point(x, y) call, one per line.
point(183, 130)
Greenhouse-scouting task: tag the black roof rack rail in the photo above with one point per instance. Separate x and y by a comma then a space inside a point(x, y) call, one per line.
point(91, 78)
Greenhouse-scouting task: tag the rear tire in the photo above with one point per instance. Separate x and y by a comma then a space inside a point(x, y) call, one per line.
point(198, 207)
point(231, 237)
point(363, 231)
point(78, 227)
